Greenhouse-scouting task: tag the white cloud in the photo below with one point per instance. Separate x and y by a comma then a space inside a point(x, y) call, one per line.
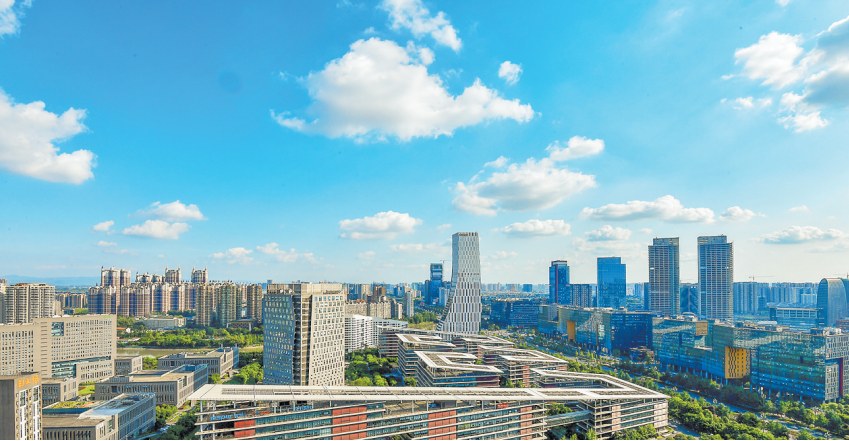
point(620, 248)
point(737, 214)
point(498, 163)
point(285, 256)
point(172, 212)
point(412, 15)
point(510, 72)
point(103, 226)
point(751, 103)
point(536, 227)
point(235, 255)
point(773, 59)
point(783, 2)
point(157, 229)
point(10, 16)
point(443, 227)
point(418, 247)
point(384, 225)
point(799, 208)
point(368, 255)
point(833, 248)
point(608, 232)
point(577, 147)
point(370, 31)
point(804, 122)
point(380, 89)
point(501, 255)
point(727, 77)
point(797, 234)
point(28, 134)
point(104, 243)
point(665, 208)
point(645, 230)
point(533, 185)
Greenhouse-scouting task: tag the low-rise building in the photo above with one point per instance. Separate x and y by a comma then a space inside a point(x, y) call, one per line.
point(799, 317)
point(219, 361)
point(519, 365)
point(409, 344)
point(20, 406)
point(452, 369)
point(54, 390)
point(124, 417)
point(128, 364)
point(166, 322)
point(613, 331)
point(170, 386)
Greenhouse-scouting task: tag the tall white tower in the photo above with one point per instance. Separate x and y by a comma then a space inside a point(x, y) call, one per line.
point(463, 309)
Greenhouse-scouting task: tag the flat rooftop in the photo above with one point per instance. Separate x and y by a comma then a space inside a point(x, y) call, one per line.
point(523, 355)
point(429, 340)
point(454, 361)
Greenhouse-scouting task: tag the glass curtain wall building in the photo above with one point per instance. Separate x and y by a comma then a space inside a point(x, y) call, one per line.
point(716, 277)
point(611, 282)
point(664, 276)
point(463, 309)
point(558, 283)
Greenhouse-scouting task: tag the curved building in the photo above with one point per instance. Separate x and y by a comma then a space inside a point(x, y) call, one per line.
point(831, 301)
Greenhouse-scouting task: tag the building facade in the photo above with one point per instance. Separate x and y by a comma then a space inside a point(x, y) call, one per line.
point(716, 277)
point(229, 302)
point(25, 302)
point(124, 417)
point(219, 361)
point(254, 304)
point(664, 276)
point(611, 282)
point(128, 364)
point(558, 283)
point(54, 390)
point(20, 406)
point(522, 313)
point(463, 310)
point(171, 386)
point(832, 300)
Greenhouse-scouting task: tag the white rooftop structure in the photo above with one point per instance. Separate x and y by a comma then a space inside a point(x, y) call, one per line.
point(454, 361)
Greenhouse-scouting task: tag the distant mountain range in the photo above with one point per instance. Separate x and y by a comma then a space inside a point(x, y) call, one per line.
point(56, 281)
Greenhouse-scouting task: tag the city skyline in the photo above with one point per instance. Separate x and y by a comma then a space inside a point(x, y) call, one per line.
point(588, 146)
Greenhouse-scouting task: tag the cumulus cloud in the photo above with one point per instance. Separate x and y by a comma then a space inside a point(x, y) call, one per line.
point(418, 247)
point(799, 208)
point(285, 256)
point(737, 214)
point(608, 232)
point(797, 234)
point(780, 61)
point(620, 248)
point(380, 90)
point(645, 230)
point(235, 255)
point(384, 225)
point(367, 255)
point(28, 135)
point(412, 15)
point(103, 226)
point(498, 163)
point(751, 103)
point(10, 16)
point(576, 147)
point(443, 226)
point(172, 212)
point(536, 227)
point(783, 2)
point(665, 208)
point(532, 185)
point(157, 229)
point(104, 243)
point(510, 72)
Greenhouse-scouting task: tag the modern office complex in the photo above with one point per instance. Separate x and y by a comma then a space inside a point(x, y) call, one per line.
point(558, 283)
point(798, 317)
point(580, 294)
point(431, 290)
point(664, 276)
point(171, 386)
point(463, 310)
point(410, 344)
point(452, 369)
point(25, 302)
point(611, 282)
point(612, 331)
point(254, 309)
point(219, 361)
point(519, 365)
point(304, 334)
point(716, 277)
point(20, 406)
point(832, 300)
point(128, 364)
point(124, 417)
point(54, 390)
point(80, 346)
point(515, 312)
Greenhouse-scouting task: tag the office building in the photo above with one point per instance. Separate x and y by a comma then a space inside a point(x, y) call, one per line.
point(20, 406)
point(519, 365)
point(228, 302)
point(304, 334)
point(463, 310)
point(25, 302)
point(611, 282)
point(166, 322)
point(664, 276)
point(451, 369)
point(519, 313)
point(79, 346)
point(115, 277)
point(54, 390)
point(611, 331)
point(200, 276)
point(124, 417)
point(410, 344)
point(128, 364)
point(690, 298)
point(580, 294)
point(716, 277)
point(558, 283)
point(798, 317)
point(254, 304)
point(171, 386)
point(350, 412)
point(831, 300)
point(431, 290)
point(746, 296)
point(219, 361)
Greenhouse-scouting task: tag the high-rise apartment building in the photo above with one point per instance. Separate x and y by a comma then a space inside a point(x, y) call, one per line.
point(746, 298)
point(205, 304)
point(25, 302)
point(304, 334)
point(463, 311)
point(716, 277)
point(611, 282)
point(173, 275)
point(254, 309)
point(200, 276)
point(115, 277)
point(664, 276)
point(580, 294)
point(558, 283)
point(229, 296)
point(20, 406)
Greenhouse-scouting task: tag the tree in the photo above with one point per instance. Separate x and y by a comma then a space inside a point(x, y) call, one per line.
point(149, 363)
point(379, 381)
point(804, 434)
point(214, 378)
point(410, 382)
point(364, 381)
point(590, 434)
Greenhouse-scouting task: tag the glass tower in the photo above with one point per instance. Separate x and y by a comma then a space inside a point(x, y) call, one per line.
point(611, 282)
point(432, 286)
point(278, 336)
point(716, 277)
point(463, 309)
point(664, 276)
point(558, 283)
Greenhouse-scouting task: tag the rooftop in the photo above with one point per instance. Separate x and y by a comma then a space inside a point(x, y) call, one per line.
point(430, 340)
point(454, 361)
point(522, 355)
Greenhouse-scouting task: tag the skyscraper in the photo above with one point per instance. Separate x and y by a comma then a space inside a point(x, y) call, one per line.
point(173, 275)
point(432, 286)
point(200, 276)
point(304, 334)
point(114, 277)
point(254, 309)
point(558, 283)
point(664, 276)
point(229, 296)
point(463, 310)
point(716, 277)
point(831, 301)
point(611, 282)
point(24, 302)
point(205, 304)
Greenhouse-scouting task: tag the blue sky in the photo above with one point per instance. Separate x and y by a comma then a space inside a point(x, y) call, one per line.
point(347, 141)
